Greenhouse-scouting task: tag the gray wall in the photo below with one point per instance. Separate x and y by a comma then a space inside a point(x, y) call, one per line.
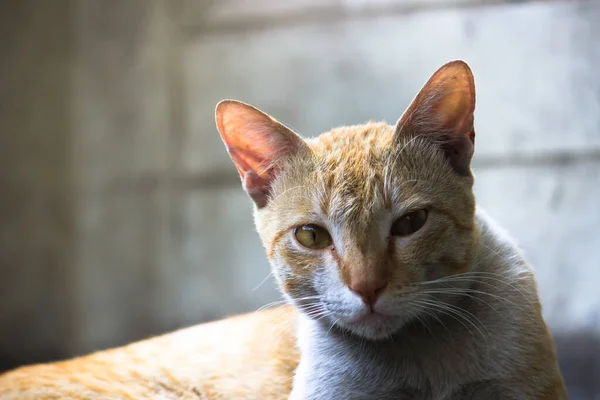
point(123, 217)
point(36, 195)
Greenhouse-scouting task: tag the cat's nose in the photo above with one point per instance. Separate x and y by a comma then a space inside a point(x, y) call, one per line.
point(368, 290)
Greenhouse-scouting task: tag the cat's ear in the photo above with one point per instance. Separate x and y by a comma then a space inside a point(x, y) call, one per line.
point(443, 111)
point(257, 144)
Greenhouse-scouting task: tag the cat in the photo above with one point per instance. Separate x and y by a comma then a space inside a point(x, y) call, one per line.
point(400, 286)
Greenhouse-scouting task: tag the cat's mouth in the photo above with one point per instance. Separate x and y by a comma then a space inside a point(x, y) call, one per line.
point(371, 317)
point(370, 325)
point(366, 322)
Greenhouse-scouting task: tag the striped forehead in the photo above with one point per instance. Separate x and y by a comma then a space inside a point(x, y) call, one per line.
point(351, 163)
point(353, 197)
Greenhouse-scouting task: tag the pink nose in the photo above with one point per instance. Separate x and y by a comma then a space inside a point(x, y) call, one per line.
point(368, 291)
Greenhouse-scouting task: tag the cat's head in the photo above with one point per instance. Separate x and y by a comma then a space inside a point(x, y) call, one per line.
point(356, 220)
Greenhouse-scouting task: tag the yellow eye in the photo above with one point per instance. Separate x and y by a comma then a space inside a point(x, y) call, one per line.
point(312, 236)
point(409, 223)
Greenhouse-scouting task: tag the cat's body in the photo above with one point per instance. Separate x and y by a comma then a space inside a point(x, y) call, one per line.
point(223, 360)
point(402, 290)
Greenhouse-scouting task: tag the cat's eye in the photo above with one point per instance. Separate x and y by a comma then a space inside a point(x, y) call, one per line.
point(312, 236)
point(409, 223)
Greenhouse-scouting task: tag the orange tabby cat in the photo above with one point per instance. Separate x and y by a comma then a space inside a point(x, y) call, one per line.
point(401, 287)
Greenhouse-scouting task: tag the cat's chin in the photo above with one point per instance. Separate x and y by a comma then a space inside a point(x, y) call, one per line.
point(371, 326)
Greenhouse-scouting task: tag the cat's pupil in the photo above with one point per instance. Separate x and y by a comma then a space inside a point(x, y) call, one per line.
point(312, 231)
point(312, 236)
point(413, 222)
point(409, 223)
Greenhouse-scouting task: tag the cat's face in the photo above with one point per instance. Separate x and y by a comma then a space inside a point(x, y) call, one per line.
point(359, 220)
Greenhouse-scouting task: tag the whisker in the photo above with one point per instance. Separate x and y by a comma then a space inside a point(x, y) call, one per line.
point(287, 190)
point(458, 312)
point(284, 301)
point(269, 305)
point(479, 277)
point(320, 316)
point(263, 281)
point(312, 308)
point(424, 323)
point(468, 291)
point(334, 322)
point(425, 309)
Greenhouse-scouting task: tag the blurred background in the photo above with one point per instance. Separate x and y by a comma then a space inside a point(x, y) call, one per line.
point(121, 215)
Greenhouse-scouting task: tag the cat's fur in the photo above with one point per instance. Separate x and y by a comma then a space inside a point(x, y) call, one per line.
point(457, 314)
point(245, 357)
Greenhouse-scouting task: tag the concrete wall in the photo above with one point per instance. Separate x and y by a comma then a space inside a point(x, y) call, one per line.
point(36, 197)
point(537, 160)
point(122, 215)
point(122, 118)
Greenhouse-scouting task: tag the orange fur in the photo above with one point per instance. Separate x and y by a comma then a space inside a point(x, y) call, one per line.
point(245, 357)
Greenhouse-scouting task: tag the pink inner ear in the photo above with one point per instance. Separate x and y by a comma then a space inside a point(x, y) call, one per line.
point(247, 161)
point(256, 143)
point(257, 188)
point(254, 140)
point(443, 110)
point(460, 114)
